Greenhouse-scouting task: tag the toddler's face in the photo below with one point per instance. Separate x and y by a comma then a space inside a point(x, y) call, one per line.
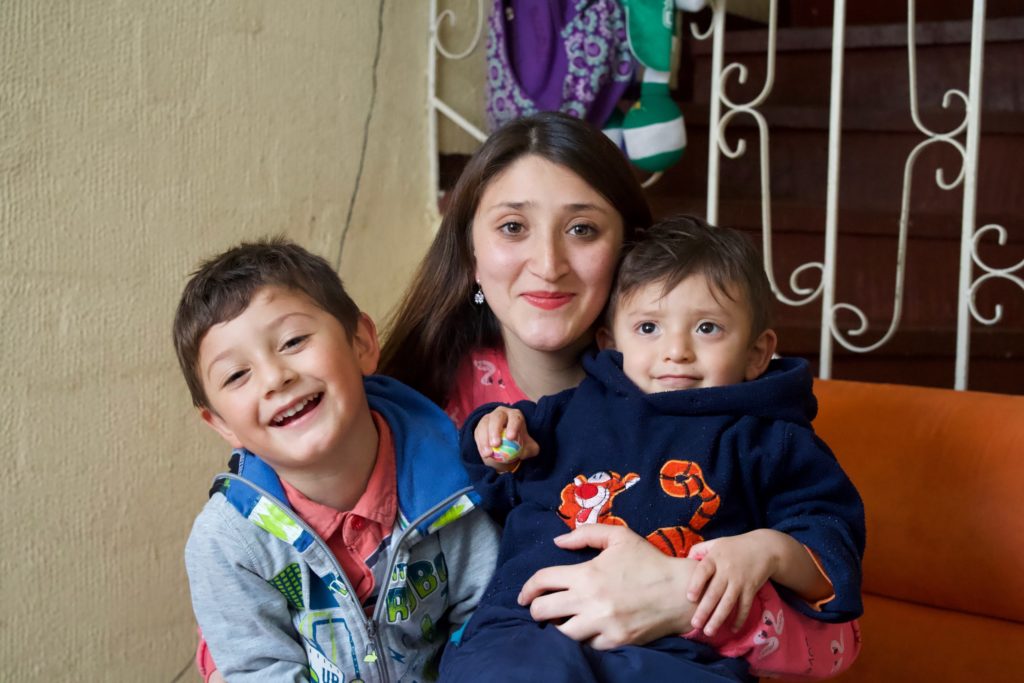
point(691, 337)
point(285, 381)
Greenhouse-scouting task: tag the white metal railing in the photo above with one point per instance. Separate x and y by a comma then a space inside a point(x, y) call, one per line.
point(436, 104)
point(964, 138)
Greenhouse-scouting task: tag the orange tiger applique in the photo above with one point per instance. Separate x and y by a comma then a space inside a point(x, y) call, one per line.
point(588, 500)
point(683, 479)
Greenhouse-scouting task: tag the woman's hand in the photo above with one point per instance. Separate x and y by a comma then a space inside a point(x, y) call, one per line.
point(630, 594)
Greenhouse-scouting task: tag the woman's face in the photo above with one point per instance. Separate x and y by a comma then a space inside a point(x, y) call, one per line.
point(546, 244)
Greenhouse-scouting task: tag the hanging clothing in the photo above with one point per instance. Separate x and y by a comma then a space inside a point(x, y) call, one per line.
point(571, 56)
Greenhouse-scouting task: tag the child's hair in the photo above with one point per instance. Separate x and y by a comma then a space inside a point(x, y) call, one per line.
point(675, 248)
point(223, 286)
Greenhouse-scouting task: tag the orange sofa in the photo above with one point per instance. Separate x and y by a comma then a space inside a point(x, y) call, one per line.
point(942, 477)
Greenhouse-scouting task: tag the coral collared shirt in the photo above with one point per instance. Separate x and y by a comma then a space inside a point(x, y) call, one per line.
point(355, 535)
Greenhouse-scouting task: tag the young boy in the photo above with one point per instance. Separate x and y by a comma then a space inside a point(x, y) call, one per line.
point(687, 432)
point(345, 545)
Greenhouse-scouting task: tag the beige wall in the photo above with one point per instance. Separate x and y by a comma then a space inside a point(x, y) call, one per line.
point(135, 138)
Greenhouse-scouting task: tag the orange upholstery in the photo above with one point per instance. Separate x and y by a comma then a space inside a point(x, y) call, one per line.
point(942, 477)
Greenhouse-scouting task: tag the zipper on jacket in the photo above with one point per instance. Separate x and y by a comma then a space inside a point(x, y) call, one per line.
point(371, 623)
point(379, 607)
point(382, 597)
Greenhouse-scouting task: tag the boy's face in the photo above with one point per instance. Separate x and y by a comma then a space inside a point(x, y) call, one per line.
point(284, 380)
point(691, 337)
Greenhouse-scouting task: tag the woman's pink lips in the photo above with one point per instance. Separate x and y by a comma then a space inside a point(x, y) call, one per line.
point(547, 300)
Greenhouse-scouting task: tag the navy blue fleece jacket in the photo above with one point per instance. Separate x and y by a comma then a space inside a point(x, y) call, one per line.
point(676, 467)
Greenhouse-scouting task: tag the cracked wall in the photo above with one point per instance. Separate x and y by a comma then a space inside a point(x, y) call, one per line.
point(135, 139)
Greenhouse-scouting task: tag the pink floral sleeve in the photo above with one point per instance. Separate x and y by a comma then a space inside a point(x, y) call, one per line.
point(777, 640)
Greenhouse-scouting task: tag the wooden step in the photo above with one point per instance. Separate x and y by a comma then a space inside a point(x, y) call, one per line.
point(875, 73)
point(810, 13)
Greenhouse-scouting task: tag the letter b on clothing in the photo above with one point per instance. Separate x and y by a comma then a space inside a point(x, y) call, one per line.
point(421, 576)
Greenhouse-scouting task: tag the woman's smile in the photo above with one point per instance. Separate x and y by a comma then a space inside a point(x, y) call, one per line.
point(548, 301)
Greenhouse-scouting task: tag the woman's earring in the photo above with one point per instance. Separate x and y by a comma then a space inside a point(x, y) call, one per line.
point(478, 295)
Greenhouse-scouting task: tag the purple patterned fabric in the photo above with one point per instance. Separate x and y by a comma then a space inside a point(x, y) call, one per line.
point(560, 55)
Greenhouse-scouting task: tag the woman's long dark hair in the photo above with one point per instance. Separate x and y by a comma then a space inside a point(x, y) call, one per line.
point(436, 324)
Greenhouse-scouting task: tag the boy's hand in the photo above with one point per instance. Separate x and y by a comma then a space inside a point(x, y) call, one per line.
point(730, 572)
point(507, 422)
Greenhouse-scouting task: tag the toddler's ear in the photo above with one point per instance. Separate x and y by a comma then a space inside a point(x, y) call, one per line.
point(760, 354)
point(217, 424)
point(605, 340)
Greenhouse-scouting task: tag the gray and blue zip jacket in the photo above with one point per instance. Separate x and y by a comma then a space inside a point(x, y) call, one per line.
point(273, 602)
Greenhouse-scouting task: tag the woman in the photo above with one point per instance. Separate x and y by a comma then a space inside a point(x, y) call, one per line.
point(502, 308)
point(535, 224)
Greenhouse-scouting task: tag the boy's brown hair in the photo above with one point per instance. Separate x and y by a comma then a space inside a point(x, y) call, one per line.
point(223, 286)
point(675, 248)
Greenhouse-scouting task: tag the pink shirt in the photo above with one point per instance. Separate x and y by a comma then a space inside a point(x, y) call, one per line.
point(354, 535)
point(482, 378)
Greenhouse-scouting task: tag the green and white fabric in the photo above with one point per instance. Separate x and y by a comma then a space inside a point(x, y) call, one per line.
point(654, 133)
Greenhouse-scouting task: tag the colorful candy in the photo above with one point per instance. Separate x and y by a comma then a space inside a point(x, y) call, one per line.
point(507, 452)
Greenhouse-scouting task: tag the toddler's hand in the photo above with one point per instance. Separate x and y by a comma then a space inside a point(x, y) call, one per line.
point(503, 423)
point(730, 572)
